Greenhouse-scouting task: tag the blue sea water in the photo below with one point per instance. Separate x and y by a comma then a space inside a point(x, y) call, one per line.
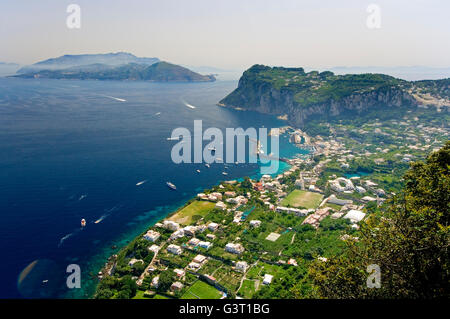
point(76, 149)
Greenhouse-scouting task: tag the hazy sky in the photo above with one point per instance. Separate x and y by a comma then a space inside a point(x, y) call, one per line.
point(232, 33)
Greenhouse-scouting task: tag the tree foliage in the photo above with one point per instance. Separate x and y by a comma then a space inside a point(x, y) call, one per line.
point(409, 241)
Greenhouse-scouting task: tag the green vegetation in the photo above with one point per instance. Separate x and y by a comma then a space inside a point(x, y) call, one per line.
point(303, 199)
point(407, 235)
point(201, 290)
point(248, 289)
point(305, 96)
point(409, 242)
point(193, 212)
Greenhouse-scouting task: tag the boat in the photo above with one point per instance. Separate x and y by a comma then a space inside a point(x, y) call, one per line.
point(45, 281)
point(207, 165)
point(83, 222)
point(198, 171)
point(140, 183)
point(100, 219)
point(171, 186)
point(173, 138)
point(224, 173)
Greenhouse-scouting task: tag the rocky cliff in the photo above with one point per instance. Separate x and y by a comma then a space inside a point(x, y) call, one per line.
point(301, 95)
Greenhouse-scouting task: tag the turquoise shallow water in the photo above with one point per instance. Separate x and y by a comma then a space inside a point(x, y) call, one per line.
point(68, 152)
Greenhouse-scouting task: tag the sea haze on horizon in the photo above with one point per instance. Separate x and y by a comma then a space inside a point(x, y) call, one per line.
point(76, 149)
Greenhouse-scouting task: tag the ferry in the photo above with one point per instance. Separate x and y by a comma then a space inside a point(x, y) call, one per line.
point(83, 222)
point(171, 186)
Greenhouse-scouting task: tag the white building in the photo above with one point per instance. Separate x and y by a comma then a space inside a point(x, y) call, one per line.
point(241, 266)
point(234, 248)
point(255, 223)
point(213, 226)
point(341, 202)
point(177, 234)
point(221, 205)
point(152, 235)
point(211, 236)
point(368, 199)
point(174, 249)
point(342, 184)
point(155, 282)
point(193, 242)
point(267, 279)
point(171, 225)
point(199, 259)
point(205, 244)
point(179, 272)
point(360, 189)
point(154, 248)
point(176, 286)
point(134, 261)
point(355, 216)
point(189, 230)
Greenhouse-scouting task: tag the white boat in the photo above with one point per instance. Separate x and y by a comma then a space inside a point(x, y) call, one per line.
point(173, 138)
point(140, 183)
point(198, 171)
point(171, 186)
point(207, 165)
point(83, 222)
point(224, 173)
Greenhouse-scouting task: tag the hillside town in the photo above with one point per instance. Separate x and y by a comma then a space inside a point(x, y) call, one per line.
point(243, 236)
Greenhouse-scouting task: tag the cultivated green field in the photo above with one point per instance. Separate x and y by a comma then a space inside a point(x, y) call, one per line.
point(193, 211)
point(248, 289)
point(201, 290)
point(299, 198)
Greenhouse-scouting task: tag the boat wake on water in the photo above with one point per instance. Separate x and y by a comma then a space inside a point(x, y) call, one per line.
point(141, 182)
point(114, 98)
point(61, 241)
point(188, 105)
point(101, 219)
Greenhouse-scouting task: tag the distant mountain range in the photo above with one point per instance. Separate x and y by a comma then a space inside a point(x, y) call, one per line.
point(68, 61)
point(111, 66)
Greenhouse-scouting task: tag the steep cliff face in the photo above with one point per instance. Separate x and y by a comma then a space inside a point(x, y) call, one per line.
point(302, 95)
